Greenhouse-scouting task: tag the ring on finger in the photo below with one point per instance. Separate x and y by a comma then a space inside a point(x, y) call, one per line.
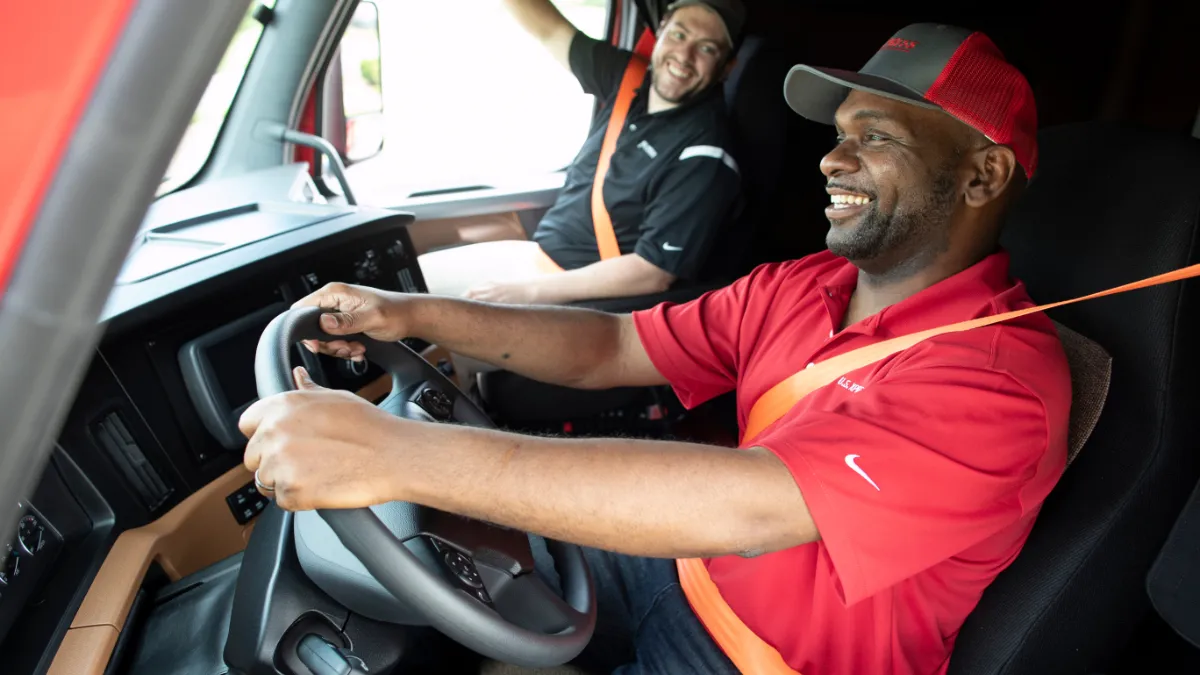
point(259, 484)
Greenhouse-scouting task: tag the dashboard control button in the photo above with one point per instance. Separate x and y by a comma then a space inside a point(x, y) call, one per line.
point(246, 503)
point(354, 368)
point(12, 565)
point(464, 569)
point(436, 403)
point(31, 534)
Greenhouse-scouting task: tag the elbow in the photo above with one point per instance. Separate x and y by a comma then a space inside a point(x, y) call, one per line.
point(654, 279)
point(660, 283)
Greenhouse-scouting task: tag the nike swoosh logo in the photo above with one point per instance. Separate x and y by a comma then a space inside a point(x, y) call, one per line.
point(668, 247)
point(850, 463)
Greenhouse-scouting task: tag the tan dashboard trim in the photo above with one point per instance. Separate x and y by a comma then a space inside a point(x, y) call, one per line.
point(378, 389)
point(198, 532)
point(84, 651)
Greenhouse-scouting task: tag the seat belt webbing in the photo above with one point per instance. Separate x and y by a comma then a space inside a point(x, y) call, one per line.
point(606, 238)
point(778, 400)
point(748, 651)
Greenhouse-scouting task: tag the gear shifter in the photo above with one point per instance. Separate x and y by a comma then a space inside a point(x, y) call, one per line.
point(323, 658)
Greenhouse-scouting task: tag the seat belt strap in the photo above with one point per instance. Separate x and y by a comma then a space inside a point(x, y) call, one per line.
point(750, 653)
point(606, 238)
point(778, 400)
point(747, 651)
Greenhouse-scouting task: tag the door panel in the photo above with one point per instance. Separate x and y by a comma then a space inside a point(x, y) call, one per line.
point(430, 235)
point(475, 216)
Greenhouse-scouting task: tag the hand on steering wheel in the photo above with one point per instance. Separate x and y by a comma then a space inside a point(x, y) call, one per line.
point(322, 448)
point(471, 580)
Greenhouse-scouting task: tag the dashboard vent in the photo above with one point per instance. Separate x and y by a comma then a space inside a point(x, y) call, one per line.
point(112, 435)
point(406, 281)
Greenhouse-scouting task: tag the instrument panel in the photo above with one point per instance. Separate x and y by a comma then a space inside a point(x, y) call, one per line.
point(140, 437)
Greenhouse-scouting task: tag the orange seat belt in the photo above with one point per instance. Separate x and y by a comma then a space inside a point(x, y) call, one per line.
point(606, 238)
point(748, 651)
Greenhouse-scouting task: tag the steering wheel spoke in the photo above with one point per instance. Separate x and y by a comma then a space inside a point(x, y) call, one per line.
point(529, 602)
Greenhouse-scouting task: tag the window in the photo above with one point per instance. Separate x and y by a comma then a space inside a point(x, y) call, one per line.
point(469, 98)
point(202, 131)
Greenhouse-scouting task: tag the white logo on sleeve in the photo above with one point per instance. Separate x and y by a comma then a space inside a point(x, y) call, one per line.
point(850, 463)
point(668, 247)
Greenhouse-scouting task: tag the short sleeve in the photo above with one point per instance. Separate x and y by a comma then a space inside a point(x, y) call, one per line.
point(599, 66)
point(695, 345)
point(916, 468)
point(695, 197)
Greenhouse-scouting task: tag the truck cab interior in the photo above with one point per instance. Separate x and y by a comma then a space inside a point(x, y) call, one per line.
point(155, 242)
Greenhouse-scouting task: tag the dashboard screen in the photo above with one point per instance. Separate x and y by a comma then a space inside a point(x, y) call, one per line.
point(233, 364)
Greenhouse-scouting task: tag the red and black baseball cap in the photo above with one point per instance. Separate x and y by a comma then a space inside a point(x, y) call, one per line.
point(933, 66)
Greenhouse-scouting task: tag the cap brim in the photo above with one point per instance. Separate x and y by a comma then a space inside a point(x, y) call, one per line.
point(816, 93)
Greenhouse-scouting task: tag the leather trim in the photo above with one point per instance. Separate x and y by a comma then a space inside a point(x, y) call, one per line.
point(198, 532)
point(378, 389)
point(442, 232)
point(84, 651)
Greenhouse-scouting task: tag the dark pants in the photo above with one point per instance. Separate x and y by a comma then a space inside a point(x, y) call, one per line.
point(644, 624)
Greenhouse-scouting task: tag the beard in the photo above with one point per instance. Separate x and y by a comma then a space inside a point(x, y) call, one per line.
point(671, 94)
point(913, 233)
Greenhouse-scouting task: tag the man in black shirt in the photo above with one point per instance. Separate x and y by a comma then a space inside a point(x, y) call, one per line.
point(671, 182)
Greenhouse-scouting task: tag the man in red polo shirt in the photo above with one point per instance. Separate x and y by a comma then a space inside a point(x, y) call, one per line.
point(856, 532)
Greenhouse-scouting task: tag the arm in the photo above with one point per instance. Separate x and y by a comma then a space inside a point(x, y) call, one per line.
point(571, 347)
point(645, 498)
point(546, 24)
point(624, 276)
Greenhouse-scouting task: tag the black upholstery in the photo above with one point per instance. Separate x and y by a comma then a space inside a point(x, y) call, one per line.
point(1174, 582)
point(185, 632)
point(1111, 205)
point(759, 119)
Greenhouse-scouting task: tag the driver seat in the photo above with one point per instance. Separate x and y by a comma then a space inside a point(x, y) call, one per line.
point(1110, 205)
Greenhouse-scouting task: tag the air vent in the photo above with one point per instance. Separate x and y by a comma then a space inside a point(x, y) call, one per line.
point(112, 435)
point(406, 281)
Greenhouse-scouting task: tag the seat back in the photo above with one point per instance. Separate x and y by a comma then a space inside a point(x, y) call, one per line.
point(1110, 205)
point(758, 121)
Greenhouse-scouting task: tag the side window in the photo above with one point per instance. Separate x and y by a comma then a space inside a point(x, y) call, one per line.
point(202, 131)
point(362, 84)
point(456, 94)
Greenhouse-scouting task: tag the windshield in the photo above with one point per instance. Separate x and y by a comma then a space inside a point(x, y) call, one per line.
point(210, 114)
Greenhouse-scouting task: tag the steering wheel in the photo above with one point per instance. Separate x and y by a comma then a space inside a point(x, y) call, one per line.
point(471, 580)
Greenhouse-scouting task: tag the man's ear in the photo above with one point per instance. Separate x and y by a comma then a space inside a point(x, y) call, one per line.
point(992, 169)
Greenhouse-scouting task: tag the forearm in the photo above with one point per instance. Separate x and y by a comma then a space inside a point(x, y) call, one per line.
point(624, 276)
point(567, 346)
point(644, 498)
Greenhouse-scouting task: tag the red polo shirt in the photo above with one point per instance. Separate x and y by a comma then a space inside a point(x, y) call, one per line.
point(923, 472)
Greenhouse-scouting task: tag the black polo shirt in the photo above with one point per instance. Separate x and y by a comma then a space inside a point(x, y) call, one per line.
point(671, 183)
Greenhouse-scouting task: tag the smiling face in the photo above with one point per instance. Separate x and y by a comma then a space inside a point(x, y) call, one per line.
point(894, 181)
point(689, 56)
